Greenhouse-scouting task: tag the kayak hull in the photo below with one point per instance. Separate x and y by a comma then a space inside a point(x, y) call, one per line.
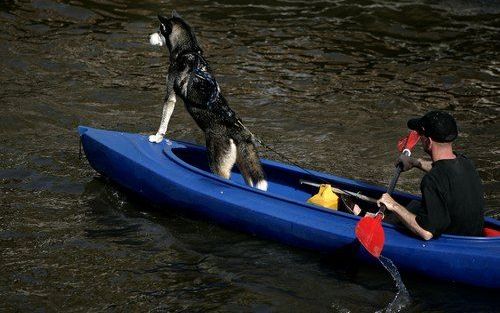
point(174, 174)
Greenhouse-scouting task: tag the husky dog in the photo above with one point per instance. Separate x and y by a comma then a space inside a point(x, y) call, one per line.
point(189, 77)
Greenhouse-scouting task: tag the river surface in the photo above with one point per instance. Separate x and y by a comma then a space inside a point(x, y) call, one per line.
point(328, 83)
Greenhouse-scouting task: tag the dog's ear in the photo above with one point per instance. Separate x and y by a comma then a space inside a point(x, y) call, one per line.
point(175, 14)
point(162, 19)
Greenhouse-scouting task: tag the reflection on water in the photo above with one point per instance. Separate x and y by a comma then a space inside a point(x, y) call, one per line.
point(328, 83)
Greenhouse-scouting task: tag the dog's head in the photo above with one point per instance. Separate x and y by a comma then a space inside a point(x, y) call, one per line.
point(175, 33)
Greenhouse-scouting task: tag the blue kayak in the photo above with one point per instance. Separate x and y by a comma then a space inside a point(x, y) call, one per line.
point(175, 174)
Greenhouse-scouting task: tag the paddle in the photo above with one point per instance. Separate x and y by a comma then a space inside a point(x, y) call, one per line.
point(369, 229)
point(340, 191)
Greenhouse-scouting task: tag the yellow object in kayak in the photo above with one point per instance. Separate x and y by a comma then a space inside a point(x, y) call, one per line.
point(325, 197)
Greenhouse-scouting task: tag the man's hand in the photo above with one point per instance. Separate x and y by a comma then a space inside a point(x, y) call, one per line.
point(369, 214)
point(408, 162)
point(388, 201)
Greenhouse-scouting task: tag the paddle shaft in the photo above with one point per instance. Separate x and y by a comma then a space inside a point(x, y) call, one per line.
point(342, 192)
point(395, 178)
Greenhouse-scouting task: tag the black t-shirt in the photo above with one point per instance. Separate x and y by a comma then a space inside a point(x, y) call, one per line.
point(452, 199)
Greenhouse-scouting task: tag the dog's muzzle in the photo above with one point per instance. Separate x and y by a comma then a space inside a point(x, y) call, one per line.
point(157, 39)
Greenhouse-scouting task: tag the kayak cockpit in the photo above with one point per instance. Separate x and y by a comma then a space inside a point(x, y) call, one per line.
point(283, 180)
point(288, 186)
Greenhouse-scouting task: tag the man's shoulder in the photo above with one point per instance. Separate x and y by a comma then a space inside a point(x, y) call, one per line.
point(465, 160)
point(431, 178)
point(436, 176)
point(443, 166)
point(461, 168)
point(462, 157)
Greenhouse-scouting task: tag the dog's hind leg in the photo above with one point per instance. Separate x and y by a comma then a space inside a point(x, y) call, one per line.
point(221, 154)
point(249, 164)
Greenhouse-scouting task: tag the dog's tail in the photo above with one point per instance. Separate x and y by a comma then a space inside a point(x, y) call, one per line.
point(248, 162)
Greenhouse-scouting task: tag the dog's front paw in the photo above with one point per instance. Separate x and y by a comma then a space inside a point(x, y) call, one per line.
point(156, 138)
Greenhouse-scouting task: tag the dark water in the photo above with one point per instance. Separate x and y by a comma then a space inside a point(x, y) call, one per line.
point(329, 83)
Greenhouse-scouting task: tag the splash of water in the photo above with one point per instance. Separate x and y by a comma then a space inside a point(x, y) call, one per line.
point(402, 298)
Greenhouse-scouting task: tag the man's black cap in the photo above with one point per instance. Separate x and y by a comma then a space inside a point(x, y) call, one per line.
point(438, 125)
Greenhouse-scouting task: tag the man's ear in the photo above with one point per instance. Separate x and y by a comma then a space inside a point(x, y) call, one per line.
point(175, 14)
point(163, 19)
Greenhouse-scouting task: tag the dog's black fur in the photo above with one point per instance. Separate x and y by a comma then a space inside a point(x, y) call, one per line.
point(189, 77)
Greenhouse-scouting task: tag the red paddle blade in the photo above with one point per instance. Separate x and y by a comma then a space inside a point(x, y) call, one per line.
point(370, 233)
point(409, 141)
point(413, 138)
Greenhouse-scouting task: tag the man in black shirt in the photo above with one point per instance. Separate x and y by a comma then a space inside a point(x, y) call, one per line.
point(452, 193)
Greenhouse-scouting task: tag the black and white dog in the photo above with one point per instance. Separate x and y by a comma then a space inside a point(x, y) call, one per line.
point(189, 77)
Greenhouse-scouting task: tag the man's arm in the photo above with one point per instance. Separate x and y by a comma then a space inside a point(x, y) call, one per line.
point(409, 163)
point(425, 166)
point(408, 218)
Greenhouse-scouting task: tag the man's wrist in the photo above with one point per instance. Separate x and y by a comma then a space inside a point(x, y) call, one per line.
point(393, 206)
